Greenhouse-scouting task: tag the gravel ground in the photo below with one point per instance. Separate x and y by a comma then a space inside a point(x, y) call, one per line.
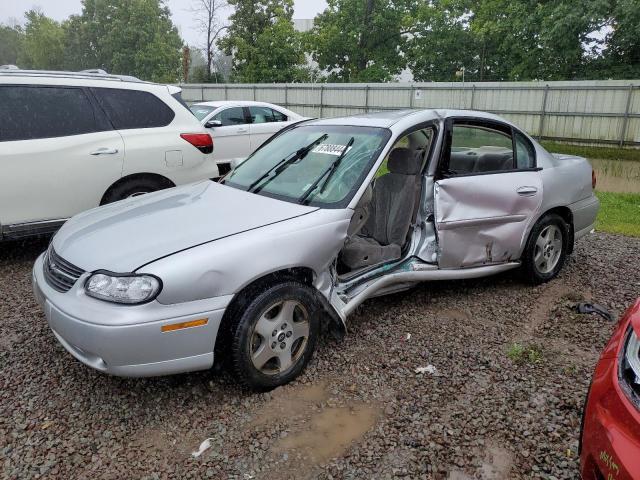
point(359, 411)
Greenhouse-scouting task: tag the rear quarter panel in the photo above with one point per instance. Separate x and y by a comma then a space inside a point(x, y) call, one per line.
point(567, 183)
point(162, 151)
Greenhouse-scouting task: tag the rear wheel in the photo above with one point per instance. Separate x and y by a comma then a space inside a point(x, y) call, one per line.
point(546, 249)
point(275, 335)
point(134, 187)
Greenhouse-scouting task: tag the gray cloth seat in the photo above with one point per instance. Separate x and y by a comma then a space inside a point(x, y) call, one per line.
point(391, 211)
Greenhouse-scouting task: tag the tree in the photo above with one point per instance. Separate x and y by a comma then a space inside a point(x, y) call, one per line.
point(442, 42)
point(504, 39)
point(132, 37)
point(11, 40)
point(208, 22)
point(621, 56)
point(263, 42)
point(361, 40)
point(43, 46)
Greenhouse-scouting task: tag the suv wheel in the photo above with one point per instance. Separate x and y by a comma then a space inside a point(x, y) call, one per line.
point(274, 336)
point(546, 249)
point(132, 188)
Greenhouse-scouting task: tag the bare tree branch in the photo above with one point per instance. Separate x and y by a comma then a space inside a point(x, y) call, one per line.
point(207, 16)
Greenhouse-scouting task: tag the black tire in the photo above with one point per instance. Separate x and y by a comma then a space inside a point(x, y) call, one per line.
point(133, 187)
point(246, 342)
point(533, 265)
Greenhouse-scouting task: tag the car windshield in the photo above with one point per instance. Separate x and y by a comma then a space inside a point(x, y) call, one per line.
point(201, 111)
point(314, 164)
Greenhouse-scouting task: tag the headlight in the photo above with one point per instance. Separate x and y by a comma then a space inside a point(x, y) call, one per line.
point(632, 355)
point(126, 288)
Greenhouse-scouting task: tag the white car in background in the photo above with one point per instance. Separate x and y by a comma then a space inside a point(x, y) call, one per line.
point(71, 141)
point(238, 128)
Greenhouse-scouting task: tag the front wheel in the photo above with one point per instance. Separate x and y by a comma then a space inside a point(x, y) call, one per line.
point(275, 336)
point(546, 249)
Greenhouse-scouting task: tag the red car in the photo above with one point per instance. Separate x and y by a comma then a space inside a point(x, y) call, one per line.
point(610, 438)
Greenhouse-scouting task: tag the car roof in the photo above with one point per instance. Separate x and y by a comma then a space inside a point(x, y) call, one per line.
point(87, 78)
point(235, 103)
point(388, 118)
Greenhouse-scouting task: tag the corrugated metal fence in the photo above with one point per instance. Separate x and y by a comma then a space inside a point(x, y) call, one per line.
point(602, 112)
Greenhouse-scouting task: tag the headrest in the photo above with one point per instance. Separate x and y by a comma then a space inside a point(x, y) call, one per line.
point(404, 161)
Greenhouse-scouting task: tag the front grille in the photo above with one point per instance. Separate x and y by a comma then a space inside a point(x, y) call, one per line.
point(59, 273)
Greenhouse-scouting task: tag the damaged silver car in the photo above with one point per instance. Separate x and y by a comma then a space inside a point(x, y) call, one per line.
point(324, 215)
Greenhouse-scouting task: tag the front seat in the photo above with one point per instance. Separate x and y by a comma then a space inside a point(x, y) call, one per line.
point(391, 211)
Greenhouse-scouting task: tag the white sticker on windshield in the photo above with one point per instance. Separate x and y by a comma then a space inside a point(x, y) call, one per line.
point(330, 149)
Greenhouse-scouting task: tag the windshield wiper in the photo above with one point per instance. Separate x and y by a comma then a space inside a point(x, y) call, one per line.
point(284, 163)
point(328, 172)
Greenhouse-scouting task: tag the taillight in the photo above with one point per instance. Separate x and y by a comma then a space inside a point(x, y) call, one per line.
point(202, 141)
point(593, 179)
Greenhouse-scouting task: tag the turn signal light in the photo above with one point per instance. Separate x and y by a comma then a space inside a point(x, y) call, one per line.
point(202, 141)
point(593, 179)
point(179, 326)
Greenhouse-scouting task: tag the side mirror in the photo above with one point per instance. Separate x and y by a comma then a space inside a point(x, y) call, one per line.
point(213, 124)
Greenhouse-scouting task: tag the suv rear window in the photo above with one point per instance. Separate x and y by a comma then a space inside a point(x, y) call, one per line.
point(133, 109)
point(29, 112)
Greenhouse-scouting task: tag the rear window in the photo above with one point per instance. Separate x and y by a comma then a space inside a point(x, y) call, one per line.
point(28, 113)
point(133, 109)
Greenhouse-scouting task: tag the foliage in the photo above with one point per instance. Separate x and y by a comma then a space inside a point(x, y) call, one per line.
point(352, 40)
point(11, 39)
point(621, 58)
point(606, 153)
point(361, 40)
point(43, 45)
point(518, 353)
point(133, 37)
point(264, 44)
point(619, 213)
point(442, 42)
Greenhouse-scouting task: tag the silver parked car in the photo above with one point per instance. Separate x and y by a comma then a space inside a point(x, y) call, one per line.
point(324, 215)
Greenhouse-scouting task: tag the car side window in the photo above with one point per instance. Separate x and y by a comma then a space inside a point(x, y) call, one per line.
point(261, 115)
point(231, 116)
point(525, 153)
point(129, 109)
point(279, 116)
point(28, 113)
point(480, 149)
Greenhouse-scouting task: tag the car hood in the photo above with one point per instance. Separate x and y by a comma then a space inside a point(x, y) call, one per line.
point(126, 235)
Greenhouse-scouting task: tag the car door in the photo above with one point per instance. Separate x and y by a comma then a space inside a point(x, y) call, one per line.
point(231, 137)
point(487, 192)
point(58, 153)
point(265, 121)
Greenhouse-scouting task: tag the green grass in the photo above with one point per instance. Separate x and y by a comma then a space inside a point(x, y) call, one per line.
point(619, 213)
point(606, 153)
point(518, 353)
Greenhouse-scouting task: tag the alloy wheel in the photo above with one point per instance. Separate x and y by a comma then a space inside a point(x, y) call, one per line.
point(548, 249)
point(280, 337)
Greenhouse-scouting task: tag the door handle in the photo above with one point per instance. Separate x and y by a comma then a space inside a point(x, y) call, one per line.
point(104, 151)
point(527, 191)
point(242, 130)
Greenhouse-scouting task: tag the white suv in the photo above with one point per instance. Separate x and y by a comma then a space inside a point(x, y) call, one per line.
point(72, 141)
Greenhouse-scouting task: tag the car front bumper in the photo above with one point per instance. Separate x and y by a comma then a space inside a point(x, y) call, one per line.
point(127, 340)
point(611, 429)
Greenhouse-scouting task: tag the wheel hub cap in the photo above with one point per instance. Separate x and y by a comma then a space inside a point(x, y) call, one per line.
point(279, 337)
point(548, 249)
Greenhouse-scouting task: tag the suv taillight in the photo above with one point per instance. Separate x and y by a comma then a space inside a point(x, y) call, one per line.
point(202, 141)
point(593, 179)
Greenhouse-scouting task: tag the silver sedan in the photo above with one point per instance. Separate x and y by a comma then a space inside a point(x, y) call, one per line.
point(324, 215)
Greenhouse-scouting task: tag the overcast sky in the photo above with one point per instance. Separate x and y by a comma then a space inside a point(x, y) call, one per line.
point(12, 11)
